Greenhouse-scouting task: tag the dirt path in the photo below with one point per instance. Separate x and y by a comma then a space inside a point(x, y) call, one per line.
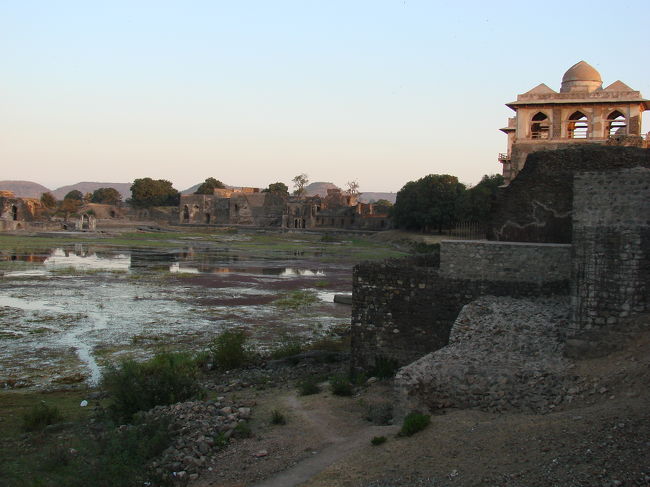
point(339, 440)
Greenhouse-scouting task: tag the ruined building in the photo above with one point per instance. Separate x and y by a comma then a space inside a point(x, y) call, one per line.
point(250, 206)
point(15, 212)
point(582, 112)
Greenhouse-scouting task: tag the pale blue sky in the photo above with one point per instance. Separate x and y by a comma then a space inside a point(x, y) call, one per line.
point(253, 92)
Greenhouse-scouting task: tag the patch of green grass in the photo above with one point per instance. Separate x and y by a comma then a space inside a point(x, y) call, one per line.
point(242, 430)
point(330, 344)
point(413, 423)
point(378, 440)
point(40, 416)
point(321, 284)
point(296, 299)
point(287, 347)
point(277, 417)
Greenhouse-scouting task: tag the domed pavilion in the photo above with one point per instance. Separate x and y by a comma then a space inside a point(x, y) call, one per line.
point(582, 112)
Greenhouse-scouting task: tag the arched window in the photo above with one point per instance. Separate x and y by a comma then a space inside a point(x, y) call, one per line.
point(616, 124)
point(578, 126)
point(539, 126)
point(186, 214)
point(14, 212)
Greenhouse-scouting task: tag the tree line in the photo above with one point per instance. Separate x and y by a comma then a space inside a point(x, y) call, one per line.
point(438, 202)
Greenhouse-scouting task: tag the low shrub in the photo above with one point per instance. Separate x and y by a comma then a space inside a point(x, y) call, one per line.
point(40, 416)
point(378, 440)
point(288, 347)
point(221, 440)
point(242, 430)
point(341, 386)
point(277, 417)
point(229, 349)
point(414, 422)
point(384, 367)
point(308, 386)
point(118, 458)
point(165, 379)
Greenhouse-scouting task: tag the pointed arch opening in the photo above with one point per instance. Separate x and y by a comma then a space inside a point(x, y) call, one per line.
point(578, 126)
point(616, 124)
point(186, 214)
point(539, 126)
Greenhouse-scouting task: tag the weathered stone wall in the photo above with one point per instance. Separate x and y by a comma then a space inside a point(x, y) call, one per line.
point(611, 239)
point(537, 205)
point(489, 260)
point(403, 309)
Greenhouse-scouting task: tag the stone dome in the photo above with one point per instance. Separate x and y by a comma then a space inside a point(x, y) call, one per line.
point(581, 77)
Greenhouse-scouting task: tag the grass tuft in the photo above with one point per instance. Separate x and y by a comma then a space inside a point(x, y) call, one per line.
point(414, 422)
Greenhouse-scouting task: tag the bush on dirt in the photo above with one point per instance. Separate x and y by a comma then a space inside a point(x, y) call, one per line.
point(308, 386)
point(414, 422)
point(165, 379)
point(384, 367)
point(277, 417)
point(229, 350)
point(341, 386)
point(378, 440)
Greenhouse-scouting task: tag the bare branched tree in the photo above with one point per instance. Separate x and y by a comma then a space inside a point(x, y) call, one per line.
point(299, 183)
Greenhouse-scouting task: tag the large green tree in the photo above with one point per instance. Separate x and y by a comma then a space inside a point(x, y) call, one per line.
point(48, 200)
point(106, 196)
point(478, 201)
point(430, 203)
point(147, 192)
point(208, 186)
point(277, 188)
point(75, 194)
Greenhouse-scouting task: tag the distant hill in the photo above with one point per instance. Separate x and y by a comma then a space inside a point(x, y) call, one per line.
point(88, 187)
point(375, 196)
point(24, 189)
point(319, 188)
point(191, 189)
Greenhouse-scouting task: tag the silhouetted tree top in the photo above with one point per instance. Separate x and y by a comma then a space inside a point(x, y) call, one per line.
point(299, 183)
point(106, 196)
point(48, 200)
point(277, 188)
point(147, 192)
point(208, 186)
point(429, 203)
point(75, 194)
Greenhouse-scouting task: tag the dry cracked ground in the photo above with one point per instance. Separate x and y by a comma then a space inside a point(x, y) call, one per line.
point(601, 439)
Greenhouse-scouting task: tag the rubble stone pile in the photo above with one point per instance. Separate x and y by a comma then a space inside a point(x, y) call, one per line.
point(503, 354)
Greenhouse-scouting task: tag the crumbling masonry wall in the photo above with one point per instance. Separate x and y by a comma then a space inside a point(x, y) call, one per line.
point(611, 241)
point(404, 309)
point(537, 205)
